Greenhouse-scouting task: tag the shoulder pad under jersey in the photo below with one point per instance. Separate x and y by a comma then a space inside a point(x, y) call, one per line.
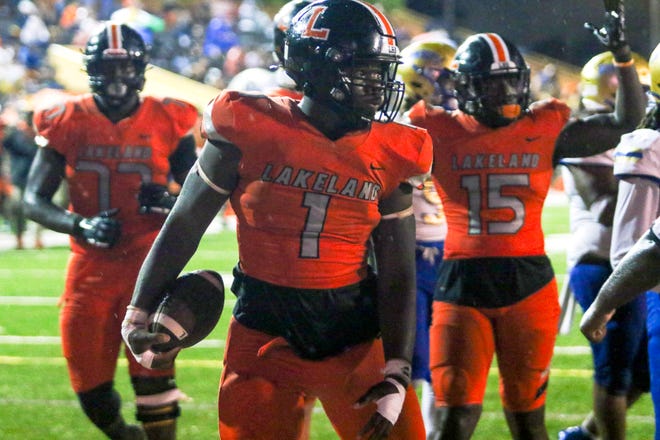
point(182, 114)
point(553, 105)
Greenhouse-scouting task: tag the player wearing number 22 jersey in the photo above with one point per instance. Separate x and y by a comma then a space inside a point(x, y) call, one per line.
point(116, 151)
point(107, 162)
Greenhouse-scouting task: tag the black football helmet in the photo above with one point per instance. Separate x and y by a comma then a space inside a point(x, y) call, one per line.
point(491, 79)
point(281, 23)
point(115, 59)
point(340, 51)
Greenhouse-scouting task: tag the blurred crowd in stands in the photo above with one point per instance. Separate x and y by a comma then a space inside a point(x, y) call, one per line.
point(210, 41)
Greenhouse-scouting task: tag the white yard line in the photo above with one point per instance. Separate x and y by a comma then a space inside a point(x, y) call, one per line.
point(193, 405)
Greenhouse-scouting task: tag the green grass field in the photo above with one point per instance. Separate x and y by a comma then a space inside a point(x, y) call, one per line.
point(37, 403)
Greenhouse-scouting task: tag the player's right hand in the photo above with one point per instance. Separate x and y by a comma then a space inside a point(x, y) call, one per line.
point(138, 339)
point(389, 396)
point(102, 230)
point(612, 35)
point(593, 324)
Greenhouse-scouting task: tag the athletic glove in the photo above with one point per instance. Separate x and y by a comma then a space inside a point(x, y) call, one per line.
point(138, 339)
point(155, 198)
point(612, 35)
point(389, 396)
point(102, 230)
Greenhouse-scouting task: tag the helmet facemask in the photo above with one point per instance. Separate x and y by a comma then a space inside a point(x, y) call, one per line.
point(496, 100)
point(364, 90)
point(116, 80)
point(376, 81)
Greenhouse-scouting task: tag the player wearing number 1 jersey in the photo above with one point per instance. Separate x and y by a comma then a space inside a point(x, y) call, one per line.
point(116, 152)
point(311, 181)
point(496, 294)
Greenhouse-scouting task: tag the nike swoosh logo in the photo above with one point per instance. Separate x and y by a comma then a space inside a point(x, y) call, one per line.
point(375, 167)
point(532, 139)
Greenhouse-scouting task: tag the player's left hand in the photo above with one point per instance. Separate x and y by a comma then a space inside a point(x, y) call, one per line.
point(136, 335)
point(389, 396)
point(155, 198)
point(593, 324)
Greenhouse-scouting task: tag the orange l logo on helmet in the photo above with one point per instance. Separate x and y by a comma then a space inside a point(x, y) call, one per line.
point(310, 31)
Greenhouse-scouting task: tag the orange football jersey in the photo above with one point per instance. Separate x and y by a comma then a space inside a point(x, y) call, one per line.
point(106, 162)
point(306, 205)
point(493, 182)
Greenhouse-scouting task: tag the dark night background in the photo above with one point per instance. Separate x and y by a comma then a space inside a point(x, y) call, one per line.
point(553, 28)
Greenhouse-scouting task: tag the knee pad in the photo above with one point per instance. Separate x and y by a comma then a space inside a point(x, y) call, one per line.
point(452, 386)
point(159, 415)
point(157, 399)
point(101, 404)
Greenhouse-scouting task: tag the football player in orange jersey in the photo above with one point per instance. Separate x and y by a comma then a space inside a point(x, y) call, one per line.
point(497, 294)
point(425, 71)
point(116, 151)
point(311, 181)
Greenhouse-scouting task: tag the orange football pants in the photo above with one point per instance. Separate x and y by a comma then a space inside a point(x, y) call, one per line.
point(264, 385)
point(464, 339)
point(96, 293)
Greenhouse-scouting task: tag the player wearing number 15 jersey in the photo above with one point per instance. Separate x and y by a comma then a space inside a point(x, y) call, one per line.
point(493, 161)
point(116, 152)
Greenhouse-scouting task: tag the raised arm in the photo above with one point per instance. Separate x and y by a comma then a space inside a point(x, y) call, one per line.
point(600, 132)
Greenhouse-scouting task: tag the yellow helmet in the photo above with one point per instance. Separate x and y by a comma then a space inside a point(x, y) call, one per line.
point(423, 63)
point(643, 69)
point(654, 69)
point(597, 78)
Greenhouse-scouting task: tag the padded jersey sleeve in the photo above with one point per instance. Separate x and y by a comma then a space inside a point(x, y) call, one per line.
point(637, 165)
point(424, 161)
point(412, 149)
point(51, 126)
point(554, 112)
point(637, 206)
point(638, 154)
point(181, 114)
point(219, 122)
